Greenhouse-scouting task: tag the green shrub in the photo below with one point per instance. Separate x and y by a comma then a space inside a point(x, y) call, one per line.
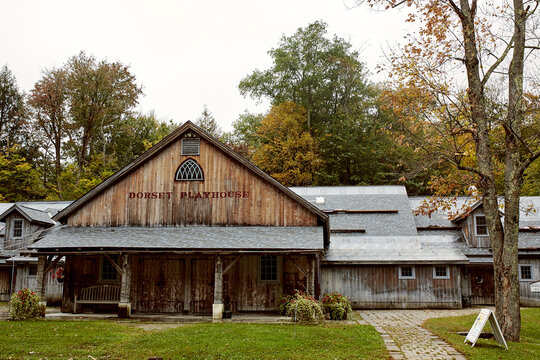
point(284, 304)
point(25, 304)
point(336, 306)
point(305, 309)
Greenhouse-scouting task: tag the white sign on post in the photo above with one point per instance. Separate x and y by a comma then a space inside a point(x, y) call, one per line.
point(535, 286)
point(480, 322)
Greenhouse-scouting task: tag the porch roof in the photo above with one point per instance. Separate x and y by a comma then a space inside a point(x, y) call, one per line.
point(254, 238)
point(395, 249)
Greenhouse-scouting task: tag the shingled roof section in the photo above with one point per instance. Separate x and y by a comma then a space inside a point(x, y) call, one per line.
point(376, 210)
point(395, 249)
point(30, 214)
point(247, 238)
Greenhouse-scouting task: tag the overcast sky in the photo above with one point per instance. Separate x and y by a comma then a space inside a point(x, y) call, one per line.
point(187, 53)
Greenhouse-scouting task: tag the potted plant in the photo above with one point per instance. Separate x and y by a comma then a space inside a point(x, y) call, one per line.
point(59, 275)
point(336, 306)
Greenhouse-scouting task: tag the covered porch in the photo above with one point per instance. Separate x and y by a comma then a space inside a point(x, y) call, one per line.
point(135, 279)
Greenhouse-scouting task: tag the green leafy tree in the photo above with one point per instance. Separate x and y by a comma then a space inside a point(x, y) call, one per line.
point(288, 152)
point(322, 75)
point(208, 123)
point(134, 134)
point(244, 139)
point(12, 110)
point(100, 94)
point(19, 180)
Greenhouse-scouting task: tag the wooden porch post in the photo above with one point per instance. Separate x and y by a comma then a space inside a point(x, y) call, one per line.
point(311, 278)
point(41, 282)
point(218, 307)
point(124, 307)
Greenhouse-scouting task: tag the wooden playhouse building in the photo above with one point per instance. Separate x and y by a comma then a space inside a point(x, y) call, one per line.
point(192, 227)
point(188, 227)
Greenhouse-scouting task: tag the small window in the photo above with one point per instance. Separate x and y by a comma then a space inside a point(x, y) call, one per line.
point(525, 272)
point(17, 228)
point(189, 170)
point(32, 270)
point(108, 271)
point(481, 225)
point(406, 272)
point(441, 272)
point(190, 146)
point(269, 268)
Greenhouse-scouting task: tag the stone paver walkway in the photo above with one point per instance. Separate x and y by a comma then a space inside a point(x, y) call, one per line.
point(404, 336)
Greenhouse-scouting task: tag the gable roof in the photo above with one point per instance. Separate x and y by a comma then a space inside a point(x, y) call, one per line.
point(168, 140)
point(29, 214)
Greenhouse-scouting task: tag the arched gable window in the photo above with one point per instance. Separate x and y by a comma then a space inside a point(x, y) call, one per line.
point(189, 170)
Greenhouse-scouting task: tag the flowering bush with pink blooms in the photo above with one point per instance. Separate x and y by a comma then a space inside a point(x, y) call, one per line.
point(336, 306)
point(304, 308)
point(24, 304)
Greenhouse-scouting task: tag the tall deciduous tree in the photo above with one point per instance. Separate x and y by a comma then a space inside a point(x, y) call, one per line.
point(100, 93)
point(12, 110)
point(49, 102)
point(485, 45)
point(322, 75)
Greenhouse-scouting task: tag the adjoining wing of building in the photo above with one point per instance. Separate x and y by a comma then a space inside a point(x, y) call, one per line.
point(192, 227)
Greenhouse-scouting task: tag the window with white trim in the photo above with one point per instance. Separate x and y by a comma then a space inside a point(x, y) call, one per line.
point(189, 170)
point(269, 268)
point(108, 271)
point(480, 225)
point(16, 228)
point(406, 272)
point(441, 272)
point(525, 272)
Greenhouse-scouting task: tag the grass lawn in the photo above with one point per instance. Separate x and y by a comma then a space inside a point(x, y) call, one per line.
point(120, 340)
point(527, 348)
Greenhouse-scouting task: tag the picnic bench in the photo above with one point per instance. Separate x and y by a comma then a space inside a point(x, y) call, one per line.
point(98, 294)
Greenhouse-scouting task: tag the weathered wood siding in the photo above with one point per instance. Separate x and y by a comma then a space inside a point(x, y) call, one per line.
point(30, 232)
point(379, 286)
point(185, 283)
point(53, 289)
point(469, 231)
point(5, 276)
point(263, 205)
point(528, 298)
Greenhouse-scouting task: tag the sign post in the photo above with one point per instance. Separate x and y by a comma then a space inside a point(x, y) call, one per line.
point(480, 322)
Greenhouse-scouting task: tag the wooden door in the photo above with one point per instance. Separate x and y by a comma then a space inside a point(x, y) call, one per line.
point(5, 276)
point(202, 285)
point(161, 285)
point(482, 286)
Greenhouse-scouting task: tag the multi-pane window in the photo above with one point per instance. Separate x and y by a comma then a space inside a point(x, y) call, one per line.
point(269, 268)
point(481, 225)
point(189, 171)
point(525, 272)
point(406, 272)
point(17, 226)
point(108, 271)
point(441, 272)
